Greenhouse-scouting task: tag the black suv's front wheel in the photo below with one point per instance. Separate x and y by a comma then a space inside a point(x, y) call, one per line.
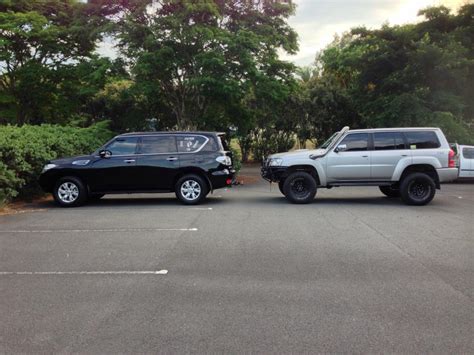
point(69, 191)
point(417, 189)
point(191, 189)
point(300, 187)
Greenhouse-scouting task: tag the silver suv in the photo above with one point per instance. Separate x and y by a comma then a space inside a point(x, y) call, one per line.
point(403, 162)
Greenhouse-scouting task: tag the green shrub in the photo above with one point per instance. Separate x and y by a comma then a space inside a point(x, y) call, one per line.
point(24, 150)
point(269, 141)
point(236, 159)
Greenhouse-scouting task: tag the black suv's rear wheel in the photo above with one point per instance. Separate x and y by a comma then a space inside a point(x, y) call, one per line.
point(389, 191)
point(417, 189)
point(69, 191)
point(191, 189)
point(300, 187)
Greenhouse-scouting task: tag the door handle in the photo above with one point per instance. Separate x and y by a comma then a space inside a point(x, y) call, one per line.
point(172, 159)
point(365, 156)
point(404, 155)
point(129, 161)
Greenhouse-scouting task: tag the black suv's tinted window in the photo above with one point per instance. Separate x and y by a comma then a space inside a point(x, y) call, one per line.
point(422, 140)
point(388, 141)
point(468, 153)
point(356, 142)
point(190, 144)
point(123, 146)
point(158, 144)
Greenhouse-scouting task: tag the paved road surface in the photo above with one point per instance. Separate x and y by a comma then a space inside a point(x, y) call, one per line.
point(247, 272)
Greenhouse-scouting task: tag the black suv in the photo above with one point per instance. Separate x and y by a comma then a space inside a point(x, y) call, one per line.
point(191, 164)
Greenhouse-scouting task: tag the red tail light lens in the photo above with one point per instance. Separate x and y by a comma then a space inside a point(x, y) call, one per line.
point(452, 159)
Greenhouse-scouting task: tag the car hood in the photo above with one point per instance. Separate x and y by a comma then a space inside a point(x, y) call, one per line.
point(302, 153)
point(69, 160)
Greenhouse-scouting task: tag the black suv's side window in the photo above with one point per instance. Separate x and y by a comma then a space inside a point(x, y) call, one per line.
point(356, 142)
point(388, 141)
point(422, 140)
point(191, 144)
point(157, 145)
point(123, 146)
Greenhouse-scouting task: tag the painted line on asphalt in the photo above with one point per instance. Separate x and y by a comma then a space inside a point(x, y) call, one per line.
point(200, 208)
point(115, 230)
point(158, 272)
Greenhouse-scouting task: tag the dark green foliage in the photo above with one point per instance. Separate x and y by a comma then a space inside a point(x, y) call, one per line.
point(24, 151)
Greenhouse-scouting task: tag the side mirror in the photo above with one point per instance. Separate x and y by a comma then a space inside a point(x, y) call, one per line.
point(340, 148)
point(105, 153)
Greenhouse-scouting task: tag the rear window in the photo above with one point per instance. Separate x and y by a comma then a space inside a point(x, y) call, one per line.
point(191, 144)
point(422, 140)
point(388, 141)
point(468, 153)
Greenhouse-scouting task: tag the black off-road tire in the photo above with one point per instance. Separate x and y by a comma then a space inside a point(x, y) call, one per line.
point(389, 191)
point(194, 181)
point(69, 186)
point(300, 187)
point(281, 184)
point(417, 189)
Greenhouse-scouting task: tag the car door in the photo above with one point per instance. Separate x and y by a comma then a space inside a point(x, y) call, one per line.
point(388, 149)
point(158, 162)
point(117, 171)
point(350, 160)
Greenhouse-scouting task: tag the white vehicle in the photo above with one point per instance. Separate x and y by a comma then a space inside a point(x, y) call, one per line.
point(466, 161)
point(403, 162)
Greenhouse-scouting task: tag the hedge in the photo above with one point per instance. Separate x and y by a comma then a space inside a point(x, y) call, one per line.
point(25, 149)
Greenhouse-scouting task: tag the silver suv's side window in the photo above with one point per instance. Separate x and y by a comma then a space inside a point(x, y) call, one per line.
point(422, 140)
point(356, 142)
point(388, 141)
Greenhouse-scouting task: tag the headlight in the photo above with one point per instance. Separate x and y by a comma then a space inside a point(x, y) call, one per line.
point(81, 162)
point(49, 166)
point(276, 161)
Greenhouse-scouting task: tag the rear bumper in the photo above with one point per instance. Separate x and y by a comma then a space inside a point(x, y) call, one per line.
point(222, 178)
point(447, 174)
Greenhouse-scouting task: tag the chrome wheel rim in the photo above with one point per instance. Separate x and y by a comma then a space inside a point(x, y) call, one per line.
point(190, 190)
point(68, 192)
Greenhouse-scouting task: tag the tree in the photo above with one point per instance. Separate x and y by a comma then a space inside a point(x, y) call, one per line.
point(205, 57)
point(38, 38)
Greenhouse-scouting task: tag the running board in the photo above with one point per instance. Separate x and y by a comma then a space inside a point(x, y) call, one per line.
point(361, 183)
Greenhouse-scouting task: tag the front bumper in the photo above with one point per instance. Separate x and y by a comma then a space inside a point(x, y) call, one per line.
point(447, 174)
point(273, 173)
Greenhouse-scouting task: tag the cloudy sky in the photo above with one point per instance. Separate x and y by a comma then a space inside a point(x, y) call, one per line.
point(317, 21)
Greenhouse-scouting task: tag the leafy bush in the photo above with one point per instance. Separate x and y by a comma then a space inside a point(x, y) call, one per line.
point(269, 141)
point(236, 159)
point(24, 150)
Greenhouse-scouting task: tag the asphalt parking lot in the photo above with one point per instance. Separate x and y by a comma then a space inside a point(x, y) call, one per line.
point(245, 272)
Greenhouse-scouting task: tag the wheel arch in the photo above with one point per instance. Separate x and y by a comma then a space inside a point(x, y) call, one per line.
point(427, 169)
point(306, 168)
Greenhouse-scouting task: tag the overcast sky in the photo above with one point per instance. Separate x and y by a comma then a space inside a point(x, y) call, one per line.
point(317, 21)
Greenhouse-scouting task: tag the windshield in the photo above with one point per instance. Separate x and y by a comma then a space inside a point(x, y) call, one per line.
point(329, 141)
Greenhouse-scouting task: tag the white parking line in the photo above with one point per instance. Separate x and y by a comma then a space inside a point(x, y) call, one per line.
point(201, 208)
point(100, 230)
point(159, 272)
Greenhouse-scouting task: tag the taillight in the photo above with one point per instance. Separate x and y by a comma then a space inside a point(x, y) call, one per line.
point(451, 159)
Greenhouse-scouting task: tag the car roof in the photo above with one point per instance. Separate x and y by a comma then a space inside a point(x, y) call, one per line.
point(170, 132)
point(395, 129)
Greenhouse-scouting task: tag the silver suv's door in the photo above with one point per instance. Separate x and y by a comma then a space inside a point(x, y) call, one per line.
point(389, 148)
point(350, 160)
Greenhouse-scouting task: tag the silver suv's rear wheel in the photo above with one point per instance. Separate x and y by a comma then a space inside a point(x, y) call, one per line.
point(417, 189)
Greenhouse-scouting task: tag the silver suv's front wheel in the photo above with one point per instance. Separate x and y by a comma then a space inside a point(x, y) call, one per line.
point(191, 189)
point(300, 187)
